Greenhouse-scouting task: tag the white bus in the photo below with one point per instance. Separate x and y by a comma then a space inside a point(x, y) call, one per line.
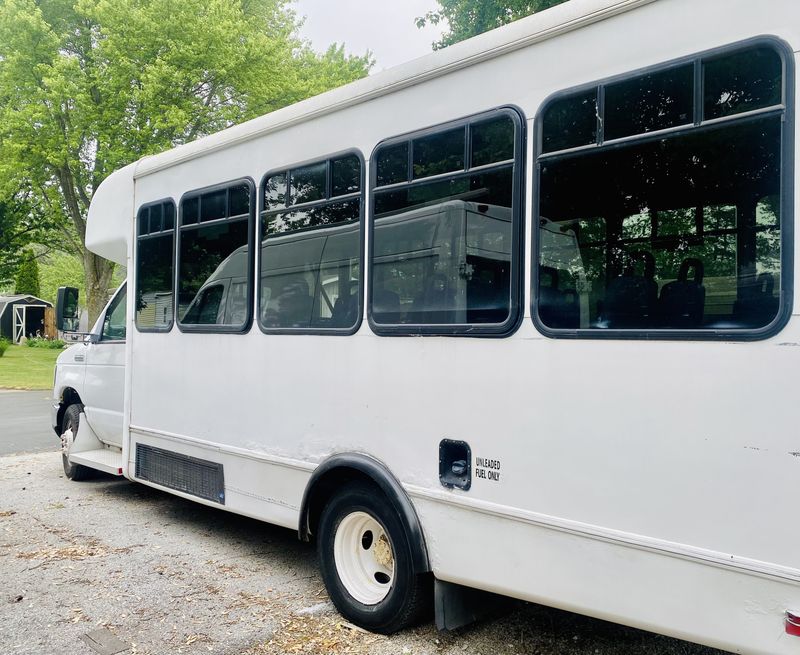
point(520, 320)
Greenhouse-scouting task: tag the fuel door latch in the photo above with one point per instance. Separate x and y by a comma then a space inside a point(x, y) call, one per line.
point(455, 464)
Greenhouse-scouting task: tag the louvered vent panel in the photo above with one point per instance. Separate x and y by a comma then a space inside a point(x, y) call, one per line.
point(190, 475)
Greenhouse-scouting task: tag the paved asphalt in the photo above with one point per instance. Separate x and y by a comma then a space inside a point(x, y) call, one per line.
point(25, 422)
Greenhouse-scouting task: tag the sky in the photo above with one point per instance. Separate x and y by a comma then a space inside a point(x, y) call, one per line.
point(386, 27)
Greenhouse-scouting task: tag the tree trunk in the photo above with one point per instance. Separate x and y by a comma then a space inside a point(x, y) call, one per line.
point(98, 272)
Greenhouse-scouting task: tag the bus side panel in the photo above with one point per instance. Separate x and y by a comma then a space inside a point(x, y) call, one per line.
point(262, 488)
point(713, 605)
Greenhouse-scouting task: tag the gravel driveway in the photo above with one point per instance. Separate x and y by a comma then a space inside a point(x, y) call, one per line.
point(165, 576)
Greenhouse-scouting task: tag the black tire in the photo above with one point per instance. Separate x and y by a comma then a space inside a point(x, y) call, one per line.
point(410, 597)
point(72, 419)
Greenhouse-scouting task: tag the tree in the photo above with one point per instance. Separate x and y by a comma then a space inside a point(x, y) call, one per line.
point(58, 269)
point(21, 225)
point(88, 86)
point(468, 18)
point(27, 281)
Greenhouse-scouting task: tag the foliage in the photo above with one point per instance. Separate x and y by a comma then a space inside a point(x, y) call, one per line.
point(4, 344)
point(58, 269)
point(468, 18)
point(27, 280)
point(21, 224)
point(88, 86)
point(28, 368)
point(44, 342)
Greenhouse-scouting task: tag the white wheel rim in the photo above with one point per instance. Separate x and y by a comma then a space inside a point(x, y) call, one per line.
point(66, 441)
point(364, 558)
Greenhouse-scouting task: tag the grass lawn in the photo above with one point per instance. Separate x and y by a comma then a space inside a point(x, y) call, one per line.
point(27, 368)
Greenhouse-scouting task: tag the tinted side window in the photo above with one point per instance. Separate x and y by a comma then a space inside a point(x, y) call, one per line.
point(443, 249)
point(570, 122)
point(214, 258)
point(310, 253)
point(678, 233)
point(155, 266)
point(742, 81)
point(114, 321)
point(650, 102)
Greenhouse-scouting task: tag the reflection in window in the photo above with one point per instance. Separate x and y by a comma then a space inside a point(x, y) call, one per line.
point(742, 82)
point(213, 277)
point(213, 206)
point(114, 321)
point(681, 232)
point(732, 83)
point(711, 262)
point(155, 247)
point(650, 102)
point(442, 250)
point(392, 164)
point(308, 183)
point(570, 122)
point(310, 270)
point(345, 175)
point(438, 153)
point(276, 192)
point(492, 141)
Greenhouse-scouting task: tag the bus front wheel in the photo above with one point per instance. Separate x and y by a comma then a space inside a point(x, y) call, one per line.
point(69, 430)
point(366, 562)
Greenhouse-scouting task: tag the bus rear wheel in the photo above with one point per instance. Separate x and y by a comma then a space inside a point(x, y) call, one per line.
point(366, 562)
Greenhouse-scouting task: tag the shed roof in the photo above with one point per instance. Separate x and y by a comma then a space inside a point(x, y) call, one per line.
point(6, 301)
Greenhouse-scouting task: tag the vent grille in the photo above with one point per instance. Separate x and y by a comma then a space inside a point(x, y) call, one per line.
point(190, 475)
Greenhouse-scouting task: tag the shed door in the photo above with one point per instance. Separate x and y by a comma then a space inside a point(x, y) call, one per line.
point(19, 322)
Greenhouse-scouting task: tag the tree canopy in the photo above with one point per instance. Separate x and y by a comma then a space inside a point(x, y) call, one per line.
point(88, 86)
point(468, 18)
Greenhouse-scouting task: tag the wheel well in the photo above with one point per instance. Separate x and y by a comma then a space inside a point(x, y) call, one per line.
point(340, 470)
point(68, 397)
point(323, 489)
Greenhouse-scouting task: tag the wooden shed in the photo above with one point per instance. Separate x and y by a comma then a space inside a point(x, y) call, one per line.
point(23, 316)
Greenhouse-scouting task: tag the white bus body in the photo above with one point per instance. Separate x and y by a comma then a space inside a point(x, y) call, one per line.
point(648, 481)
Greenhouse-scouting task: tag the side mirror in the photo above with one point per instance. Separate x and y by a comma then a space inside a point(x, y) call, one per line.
point(67, 309)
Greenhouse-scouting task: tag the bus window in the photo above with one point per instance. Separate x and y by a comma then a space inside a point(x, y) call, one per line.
point(311, 247)
point(214, 259)
point(675, 231)
point(155, 261)
point(443, 248)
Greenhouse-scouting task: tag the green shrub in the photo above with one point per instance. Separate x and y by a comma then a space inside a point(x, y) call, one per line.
point(43, 342)
point(4, 344)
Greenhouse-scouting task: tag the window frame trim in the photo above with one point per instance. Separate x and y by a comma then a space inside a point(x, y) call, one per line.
point(518, 239)
point(361, 195)
point(787, 194)
point(199, 328)
point(135, 285)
